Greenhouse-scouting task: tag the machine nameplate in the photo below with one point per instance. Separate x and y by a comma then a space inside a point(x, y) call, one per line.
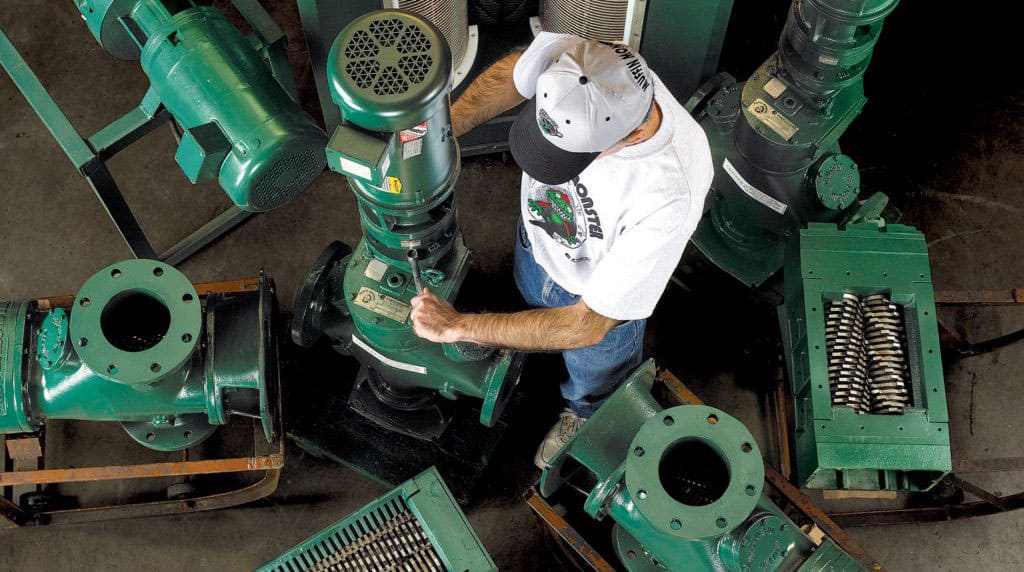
point(375, 269)
point(752, 191)
point(380, 304)
point(773, 119)
point(386, 360)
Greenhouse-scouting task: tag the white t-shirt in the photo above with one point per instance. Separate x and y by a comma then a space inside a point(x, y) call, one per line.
point(615, 233)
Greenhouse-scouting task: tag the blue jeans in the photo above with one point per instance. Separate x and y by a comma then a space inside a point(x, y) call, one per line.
point(594, 371)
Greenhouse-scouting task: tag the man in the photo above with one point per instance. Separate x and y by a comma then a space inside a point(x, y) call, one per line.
point(615, 173)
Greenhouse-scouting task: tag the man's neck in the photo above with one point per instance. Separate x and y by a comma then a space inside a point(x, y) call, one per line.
point(649, 127)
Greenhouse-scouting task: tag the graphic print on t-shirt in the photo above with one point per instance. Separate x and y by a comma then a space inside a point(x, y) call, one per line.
point(564, 212)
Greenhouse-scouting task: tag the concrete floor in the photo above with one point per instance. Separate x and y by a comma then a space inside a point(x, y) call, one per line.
point(946, 148)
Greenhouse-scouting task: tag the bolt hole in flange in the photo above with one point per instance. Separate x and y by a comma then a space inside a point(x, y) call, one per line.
point(115, 273)
point(134, 321)
point(693, 472)
point(158, 271)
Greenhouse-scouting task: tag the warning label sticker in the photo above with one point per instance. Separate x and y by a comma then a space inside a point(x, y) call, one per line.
point(752, 191)
point(394, 185)
point(413, 134)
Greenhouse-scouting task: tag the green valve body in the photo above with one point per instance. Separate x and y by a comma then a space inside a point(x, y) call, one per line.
point(390, 73)
point(240, 125)
point(774, 138)
point(684, 487)
point(835, 447)
point(141, 347)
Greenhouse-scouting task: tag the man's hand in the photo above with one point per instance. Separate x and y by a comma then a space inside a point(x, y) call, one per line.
point(435, 319)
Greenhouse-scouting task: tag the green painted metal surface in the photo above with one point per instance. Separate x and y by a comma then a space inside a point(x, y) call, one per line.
point(390, 76)
point(141, 347)
point(775, 137)
point(682, 41)
point(416, 526)
point(835, 447)
point(684, 486)
point(233, 97)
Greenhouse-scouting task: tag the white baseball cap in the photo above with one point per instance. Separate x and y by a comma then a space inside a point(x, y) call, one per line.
point(587, 100)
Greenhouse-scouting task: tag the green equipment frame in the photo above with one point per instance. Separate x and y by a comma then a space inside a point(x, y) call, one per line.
point(90, 154)
point(418, 524)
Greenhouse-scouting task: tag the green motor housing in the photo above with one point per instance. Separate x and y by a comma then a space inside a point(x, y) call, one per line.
point(141, 347)
point(836, 446)
point(240, 125)
point(775, 137)
point(390, 73)
point(684, 486)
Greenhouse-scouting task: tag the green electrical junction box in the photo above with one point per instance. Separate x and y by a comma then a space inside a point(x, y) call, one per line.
point(416, 526)
point(862, 346)
point(390, 73)
point(141, 347)
point(684, 488)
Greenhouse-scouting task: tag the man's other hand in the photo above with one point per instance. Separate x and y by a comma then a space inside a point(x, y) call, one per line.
point(434, 319)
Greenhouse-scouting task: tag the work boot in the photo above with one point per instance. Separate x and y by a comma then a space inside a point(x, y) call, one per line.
point(568, 424)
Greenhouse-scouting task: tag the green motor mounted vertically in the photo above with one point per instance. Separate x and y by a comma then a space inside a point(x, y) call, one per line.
point(774, 138)
point(240, 125)
point(140, 346)
point(390, 73)
point(684, 487)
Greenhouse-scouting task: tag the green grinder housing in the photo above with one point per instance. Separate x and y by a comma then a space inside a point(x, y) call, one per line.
point(141, 347)
point(775, 137)
point(684, 486)
point(390, 74)
point(240, 124)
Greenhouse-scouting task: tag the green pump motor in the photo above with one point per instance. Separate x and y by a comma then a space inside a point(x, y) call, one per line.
point(774, 138)
point(140, 346)
point(390, 73)
point(684, 487)
point(240, 125)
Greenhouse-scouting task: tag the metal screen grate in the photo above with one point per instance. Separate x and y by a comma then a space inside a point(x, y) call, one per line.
point(450, 16)
point(596, 19)
point(287, 178)
point(364, 50)
point(389, 537)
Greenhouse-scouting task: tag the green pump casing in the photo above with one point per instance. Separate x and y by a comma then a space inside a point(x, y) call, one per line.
point(684, 487)
point(141, 347)
point(240, 124)
point(390, 73)
point(775, 138)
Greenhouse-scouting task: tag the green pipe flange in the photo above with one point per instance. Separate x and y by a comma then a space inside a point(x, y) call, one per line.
point(727, 437)
point(129, 298)
point(171, 433)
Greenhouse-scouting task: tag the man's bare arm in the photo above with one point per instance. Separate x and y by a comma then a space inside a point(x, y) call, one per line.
point(546, 329)
point(492, 93)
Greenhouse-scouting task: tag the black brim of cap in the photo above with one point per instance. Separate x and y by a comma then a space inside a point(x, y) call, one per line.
point(540, 158)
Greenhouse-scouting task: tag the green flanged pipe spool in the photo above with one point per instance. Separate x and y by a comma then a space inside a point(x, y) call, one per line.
point(775, 137)
point(390, 73)
point(240, 125)
point(141, 347)
point(684, 486)
point(861, 339)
